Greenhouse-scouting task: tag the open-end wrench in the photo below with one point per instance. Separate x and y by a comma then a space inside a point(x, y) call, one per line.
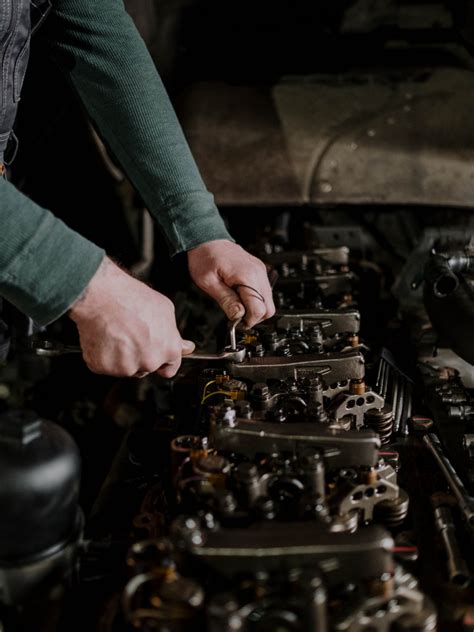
point(50, 349)
point(231, 353)
point(236, 355)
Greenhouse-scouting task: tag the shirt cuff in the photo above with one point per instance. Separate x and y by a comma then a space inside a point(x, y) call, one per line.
point(191, 220)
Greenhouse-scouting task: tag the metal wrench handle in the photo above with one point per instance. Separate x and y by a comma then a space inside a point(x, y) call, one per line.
point(466, 502)
point(52, 349)
point(231, 355)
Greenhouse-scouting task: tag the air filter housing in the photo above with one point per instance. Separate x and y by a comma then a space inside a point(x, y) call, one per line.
point(40, 519)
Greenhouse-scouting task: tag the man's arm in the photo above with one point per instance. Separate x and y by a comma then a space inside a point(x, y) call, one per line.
point(44, 265)
point(101, 51)
point(107, 61)
point(46, 269)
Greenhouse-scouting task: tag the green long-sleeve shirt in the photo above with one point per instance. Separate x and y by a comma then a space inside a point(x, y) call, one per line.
point(44, 265)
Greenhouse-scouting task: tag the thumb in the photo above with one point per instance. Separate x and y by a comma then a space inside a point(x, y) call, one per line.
point(187, 347)
point(228, 300)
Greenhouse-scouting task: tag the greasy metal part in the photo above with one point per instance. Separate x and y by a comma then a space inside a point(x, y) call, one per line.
point(465, 501)
point(356, 406)
point(236, 355)
point(327, 284)
point(379, 373)
point(339, 447)
point(332, 367)
point(443, 270)
point(403, 406)
point(458, 571)
point(461, 412)
point(383, 377)
point(276, 546)
point(449, 300)
point(319, 256)
point(300, 598)
point(289, 400)
point(183, 447)
point(395, 400)
point(392, 513)
point(144, 555)
point(406, 411)
point(381, 422)
point(363, 498)
point(344, 320)
point(161, 595)
point(396, 388)
point(468, 442)
point(336, 389)
point(398, 606)
point(357, 387)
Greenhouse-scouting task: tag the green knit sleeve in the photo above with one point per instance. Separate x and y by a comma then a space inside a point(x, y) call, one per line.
point(44, 265)
point(98, 46)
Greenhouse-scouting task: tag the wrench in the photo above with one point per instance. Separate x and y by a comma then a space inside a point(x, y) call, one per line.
point(52, 349)
point(232, 353)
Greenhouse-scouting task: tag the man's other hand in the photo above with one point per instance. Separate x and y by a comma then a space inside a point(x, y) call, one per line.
point(220, 267)
point(126, 328)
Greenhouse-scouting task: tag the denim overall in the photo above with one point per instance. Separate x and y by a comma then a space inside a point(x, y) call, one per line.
point(19, 19)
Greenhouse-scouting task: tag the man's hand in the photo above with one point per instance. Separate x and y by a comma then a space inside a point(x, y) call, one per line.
point(218, 266)
point(126, 328)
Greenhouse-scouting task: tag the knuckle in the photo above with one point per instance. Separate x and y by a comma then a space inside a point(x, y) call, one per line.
point(207, 280)
point(259, 310)
point(127, 370)
point(93, 364)
point(271, 311)
point(226, 299)
point(149, 365)
point(174, 351)
point(95, 368)
point(168, 371)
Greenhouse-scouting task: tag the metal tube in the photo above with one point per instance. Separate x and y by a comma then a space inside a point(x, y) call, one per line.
point(458, 571)
point(396, 401)
point(466, 502)
point(405, 413)
point(379, 374)
point(385, 379)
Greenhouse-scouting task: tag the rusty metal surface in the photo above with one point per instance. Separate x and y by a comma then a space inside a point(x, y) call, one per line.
point(374, 140)
point(357, 139)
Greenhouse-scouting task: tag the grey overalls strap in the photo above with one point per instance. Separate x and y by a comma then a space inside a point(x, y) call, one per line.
point(18, 20)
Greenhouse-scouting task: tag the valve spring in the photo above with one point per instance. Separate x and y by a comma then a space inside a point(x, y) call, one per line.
point(381, 421)
point(392, 513)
